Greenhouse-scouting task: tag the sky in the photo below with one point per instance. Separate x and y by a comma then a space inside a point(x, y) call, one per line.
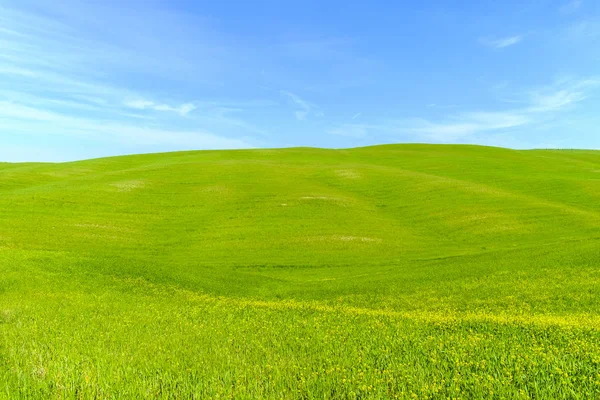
point(85, 79)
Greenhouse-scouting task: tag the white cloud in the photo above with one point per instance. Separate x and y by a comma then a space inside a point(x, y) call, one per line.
point(538, 105)
point(298, 100)
point(305, 108)
point(139, 104)
point(17, 118)
point(63, 74)
point(561, 95)
point(183, 109)
point(465, 124)
point(186, 108)
point(546, 102)
point(541, 106)
point(502, 42)
point(453, 128)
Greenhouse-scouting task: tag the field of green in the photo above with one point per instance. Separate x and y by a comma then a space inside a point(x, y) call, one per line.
point(401, 271)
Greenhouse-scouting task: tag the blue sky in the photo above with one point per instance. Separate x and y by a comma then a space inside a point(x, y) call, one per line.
point(82, 79)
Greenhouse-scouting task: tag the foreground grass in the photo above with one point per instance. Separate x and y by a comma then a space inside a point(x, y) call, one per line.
point(387, 272)
point(138, 340)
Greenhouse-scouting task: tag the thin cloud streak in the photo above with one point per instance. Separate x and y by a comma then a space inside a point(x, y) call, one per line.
point(502, 42)
point(51, 72)
point(19, 118)
point(183, 109)
point(305, 108)
point(540, 106)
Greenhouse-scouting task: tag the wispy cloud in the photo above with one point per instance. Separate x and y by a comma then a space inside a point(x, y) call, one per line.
point(20, 118)
point(465, 124)
point(192, 81)
point(537, 106)
point(561, 95)
point(304, 108)
point(501, 42)
point(555, 101)
point(183, 109)
point(62, 74)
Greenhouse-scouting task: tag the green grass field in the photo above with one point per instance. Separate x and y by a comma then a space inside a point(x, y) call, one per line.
point(404, 271)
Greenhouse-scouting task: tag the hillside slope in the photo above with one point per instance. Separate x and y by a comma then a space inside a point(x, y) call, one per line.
point(424, 234)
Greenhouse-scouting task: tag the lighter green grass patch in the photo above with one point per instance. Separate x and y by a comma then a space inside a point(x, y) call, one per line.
point(128, 186)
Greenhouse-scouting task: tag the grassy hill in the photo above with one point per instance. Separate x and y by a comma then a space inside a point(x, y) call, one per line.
point(401, 271)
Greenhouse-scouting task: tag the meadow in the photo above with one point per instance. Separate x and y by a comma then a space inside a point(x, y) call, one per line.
point(398, 271)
